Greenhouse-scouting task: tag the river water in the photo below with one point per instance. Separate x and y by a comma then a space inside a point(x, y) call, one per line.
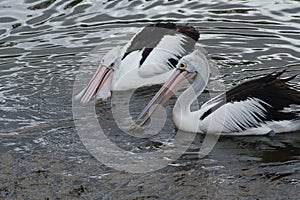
point(43, 44)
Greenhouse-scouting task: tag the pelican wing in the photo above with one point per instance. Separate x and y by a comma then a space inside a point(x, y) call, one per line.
point(236, 116)
point(253, 102)
point(162, 45)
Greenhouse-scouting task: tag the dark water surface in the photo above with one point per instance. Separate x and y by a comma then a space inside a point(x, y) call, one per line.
point(44, 43)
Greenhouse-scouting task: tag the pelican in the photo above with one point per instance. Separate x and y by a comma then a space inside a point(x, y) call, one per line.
point(256, 107)
point(148, 58)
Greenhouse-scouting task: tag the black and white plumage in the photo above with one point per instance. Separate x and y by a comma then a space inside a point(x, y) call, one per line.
point(255, 107)
point(148, 58)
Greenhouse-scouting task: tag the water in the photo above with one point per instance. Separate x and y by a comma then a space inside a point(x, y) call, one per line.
point(42, 46)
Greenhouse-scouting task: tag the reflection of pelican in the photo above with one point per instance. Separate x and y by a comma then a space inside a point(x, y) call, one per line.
point(148, 58)
point(254, 107)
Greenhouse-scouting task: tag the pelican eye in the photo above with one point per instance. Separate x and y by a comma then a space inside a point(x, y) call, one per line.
point(182, 66)
point(111, 65)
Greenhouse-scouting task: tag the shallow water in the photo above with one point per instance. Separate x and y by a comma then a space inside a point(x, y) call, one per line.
point(44, 43)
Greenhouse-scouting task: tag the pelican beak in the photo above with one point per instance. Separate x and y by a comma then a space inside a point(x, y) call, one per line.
point(99, 84)
point(179, 79)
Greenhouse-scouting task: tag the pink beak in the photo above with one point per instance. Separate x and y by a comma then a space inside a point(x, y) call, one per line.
point(103, 76)
point(177, 81)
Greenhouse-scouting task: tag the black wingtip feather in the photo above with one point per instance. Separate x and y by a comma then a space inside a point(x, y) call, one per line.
point(187, 30)
point(278, 74)
point(289, 79)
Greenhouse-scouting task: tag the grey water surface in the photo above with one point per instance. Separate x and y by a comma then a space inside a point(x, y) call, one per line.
point(44, 43)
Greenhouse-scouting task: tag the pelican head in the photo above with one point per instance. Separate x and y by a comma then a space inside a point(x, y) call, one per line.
point(100, 83)
point(195, 62)
point(107, 67)
point(111, 57)
point(192, 66)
